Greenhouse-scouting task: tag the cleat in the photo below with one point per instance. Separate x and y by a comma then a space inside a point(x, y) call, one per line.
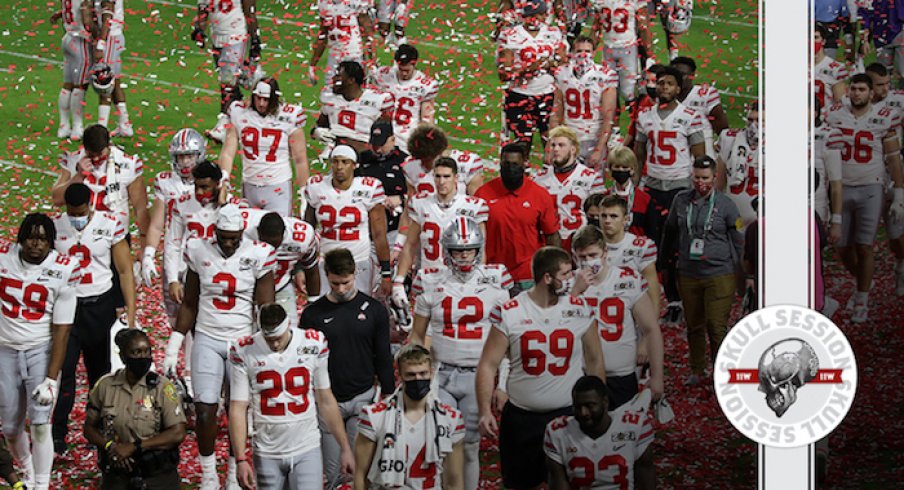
point(63, 131)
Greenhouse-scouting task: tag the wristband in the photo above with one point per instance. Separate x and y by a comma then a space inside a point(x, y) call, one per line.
point(101, 45)
point(398, 280)
point(385, 269)
point(836, 219)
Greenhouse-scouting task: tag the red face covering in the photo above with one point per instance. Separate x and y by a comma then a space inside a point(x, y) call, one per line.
point(817, 47)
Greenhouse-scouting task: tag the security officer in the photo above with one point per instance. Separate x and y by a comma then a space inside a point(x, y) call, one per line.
point(135, 418)
point(705, 224)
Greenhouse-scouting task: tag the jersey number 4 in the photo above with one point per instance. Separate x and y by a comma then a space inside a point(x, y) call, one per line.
point(296, 382)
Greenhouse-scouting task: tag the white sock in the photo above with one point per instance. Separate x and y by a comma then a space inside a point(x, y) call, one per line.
point(42, 453)
point(209, 466)
point(76, 105)
point(861, 297)
point(63, 106)
point(103, 114)
point(673, 53)
point(123, 113)
point(471, 474)
point(230, 469)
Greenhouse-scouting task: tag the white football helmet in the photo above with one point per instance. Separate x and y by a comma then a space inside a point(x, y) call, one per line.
point(462, 234)
point(102, 79)
point(680, 15)
point(187, 141)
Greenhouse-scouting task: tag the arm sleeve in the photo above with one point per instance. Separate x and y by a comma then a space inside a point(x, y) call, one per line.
point(382, 353)
point(239, 384)
point(269, 262)
point(322, 376)
point(172, 248)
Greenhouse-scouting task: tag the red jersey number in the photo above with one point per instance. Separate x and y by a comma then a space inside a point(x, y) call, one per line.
point(578, 102)
point(469, 311)
point(296, 382)
point(861, 151)
point(347, 230)
point(663, 150)
point(251, 137)
point(32, 305)
point(533, 360)
point(81, 252)
point(612, 314)
point(403, 115)
point(228, 281)
point(583, 473)
point(615, 20)
point(431, 234)
point(421, 470)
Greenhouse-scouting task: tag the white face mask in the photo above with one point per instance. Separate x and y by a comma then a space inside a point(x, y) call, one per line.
point(565, 288)
point(753, 133)
point(79, 222)
point(582, 63)
point(593, 265)
point(346, 297)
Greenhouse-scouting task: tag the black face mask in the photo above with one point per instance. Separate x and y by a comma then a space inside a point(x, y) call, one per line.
point(651, 91)
point(417, 389)
point(593, 222)
point(512, 176)
point(139, 366)
point(621, 176)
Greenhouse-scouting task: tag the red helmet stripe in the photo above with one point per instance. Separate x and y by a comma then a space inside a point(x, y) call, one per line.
point(463, 226)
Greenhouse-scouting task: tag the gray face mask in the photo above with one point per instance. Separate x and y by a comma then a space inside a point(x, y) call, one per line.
point(79, 222)
point(345, 297)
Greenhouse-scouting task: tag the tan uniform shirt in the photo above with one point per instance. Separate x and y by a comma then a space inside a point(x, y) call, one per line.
point(128, 411)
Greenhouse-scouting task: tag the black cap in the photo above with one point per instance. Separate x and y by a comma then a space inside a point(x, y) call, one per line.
point(533, 7)
point(380, 132)
point(406, 53)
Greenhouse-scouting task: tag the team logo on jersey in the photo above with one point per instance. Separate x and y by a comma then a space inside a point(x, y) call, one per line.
point(53, 273)
point(785, 376)
point(247, 262)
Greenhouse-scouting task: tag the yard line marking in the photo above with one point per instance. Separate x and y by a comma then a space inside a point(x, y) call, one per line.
point(7, 163)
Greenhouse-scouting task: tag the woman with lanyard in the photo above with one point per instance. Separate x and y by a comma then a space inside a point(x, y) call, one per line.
point(704, 226)
point(135, 418)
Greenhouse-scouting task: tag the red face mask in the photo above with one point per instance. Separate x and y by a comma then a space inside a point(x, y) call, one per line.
point(204, 198)
point(703, 188)
point(817, 47)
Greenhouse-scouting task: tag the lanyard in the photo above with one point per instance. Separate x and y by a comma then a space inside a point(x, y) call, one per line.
point(708, 224)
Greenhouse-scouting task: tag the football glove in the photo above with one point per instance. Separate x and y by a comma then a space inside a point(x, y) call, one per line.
point(45, 392)
point(324, 135)
point(401, 316)
point(171, 360)
point(254, 50)
point(198, 36)
point(399, 296)
point(148, 267)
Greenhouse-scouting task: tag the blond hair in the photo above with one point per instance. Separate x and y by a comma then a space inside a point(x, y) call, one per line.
point(413, 354)
point(623, 156)
point(565, 132)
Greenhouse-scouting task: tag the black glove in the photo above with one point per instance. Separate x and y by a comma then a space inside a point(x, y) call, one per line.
point(197, 35)
point(254, 52)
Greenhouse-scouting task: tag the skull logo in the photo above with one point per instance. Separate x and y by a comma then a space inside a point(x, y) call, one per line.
point(784, 368)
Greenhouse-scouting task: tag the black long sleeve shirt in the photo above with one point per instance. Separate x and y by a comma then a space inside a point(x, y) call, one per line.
point(358, 336)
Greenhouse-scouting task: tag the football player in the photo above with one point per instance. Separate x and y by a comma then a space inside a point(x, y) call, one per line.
point(426, 144)
point(97, 240)
point(347, 30)
point(413, 90)
point(894, 228)
point(623, 248)
point(348, 110)
point(297, 252)
point(704, 99)
point(599, 448)
point(675, 17)
point(428, 215)
point(227, 276)
point(571, 14)
point(113, 177)
point(108, 48)
point(78, 23)
point(551, 339)
point(568, 181)
point(350, 212)
point(644, 99)
point(38, 311)
point(830, 75)
point(232, 25)
point(669, 136)
point(277, 369)
point(617, 295)
point(585, 100)
point(396, 14)
point(739, 163)
point(527, 56)
point(454, 302)
point(627, 39)
point(272, 140)
point(869, 144)
point(827, 199)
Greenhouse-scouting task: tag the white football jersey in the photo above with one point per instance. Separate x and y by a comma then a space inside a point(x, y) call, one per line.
point(300, 244)
point(545, 349)
point(168, 188)
point(894, 99)
point(619, 21)
point(860, 141)
point(826, 168)
point(92, 248)
point(433, 219)
point(828, 72)
point(352, 119)
point(459, 311)
point(636, 252)
point(612, 301)
point(742, 169)
point(420, 179)
point(527, 49)
point(72, 19)
point(343, 216)
point(408, 95)
point(668, 146)
point(420, 475)
point(227, 22)
point(109, 181)
point(32, 297)
point(117, 22)
point(189, 219)
point(264, 142)
point(607, 462)
point(343, 33)
point(570, 193)
point(227, 285)
point(703, 99)
point(280, 388)
point(582, 96)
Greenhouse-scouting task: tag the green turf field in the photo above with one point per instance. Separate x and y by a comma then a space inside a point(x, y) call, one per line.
point(171, 84)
